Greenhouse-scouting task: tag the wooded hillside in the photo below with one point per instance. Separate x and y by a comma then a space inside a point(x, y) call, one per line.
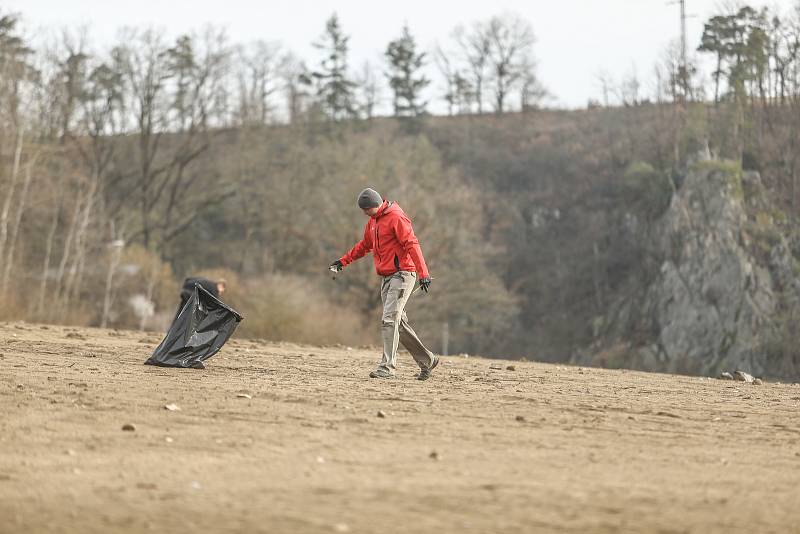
point(124, 170)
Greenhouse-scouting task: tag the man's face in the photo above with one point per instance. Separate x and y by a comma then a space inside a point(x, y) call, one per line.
point(369, 212)
point(221, 289)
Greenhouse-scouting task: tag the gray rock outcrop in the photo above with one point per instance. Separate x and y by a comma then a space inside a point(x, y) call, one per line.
point(721, 274)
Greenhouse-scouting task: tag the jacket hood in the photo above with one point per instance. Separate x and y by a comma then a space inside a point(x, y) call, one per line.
point(387, 207)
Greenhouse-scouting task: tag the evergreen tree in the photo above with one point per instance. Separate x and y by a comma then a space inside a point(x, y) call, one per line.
point(741, 43)
point(405, 78)
point(15, 66)
point(334, 87)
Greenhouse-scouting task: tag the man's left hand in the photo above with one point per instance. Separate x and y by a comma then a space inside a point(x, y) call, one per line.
point(425, 283)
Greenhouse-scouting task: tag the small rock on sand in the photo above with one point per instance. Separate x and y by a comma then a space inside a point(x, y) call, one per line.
point(381, 414)
point(741, 376)
point(128, 427)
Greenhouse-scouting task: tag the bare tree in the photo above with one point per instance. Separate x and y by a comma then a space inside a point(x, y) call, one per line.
point(511, 41)
point(628, 90)
point(171, 93)
point(369, 89)
point(532, 92)
point(257, 80)
point(99, 117)
point(606, 82)
point(295, 77)
point(474, 46)
point(458, 91)
point(141, 59)
point(202, 62)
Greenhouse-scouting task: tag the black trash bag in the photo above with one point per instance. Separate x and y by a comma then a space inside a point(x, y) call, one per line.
point(201, 328)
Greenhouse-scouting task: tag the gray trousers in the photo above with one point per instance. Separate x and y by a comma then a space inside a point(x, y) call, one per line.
point(395, 292)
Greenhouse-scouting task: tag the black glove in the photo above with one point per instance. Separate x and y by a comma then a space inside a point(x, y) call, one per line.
point(336, 266)
point(425, 283)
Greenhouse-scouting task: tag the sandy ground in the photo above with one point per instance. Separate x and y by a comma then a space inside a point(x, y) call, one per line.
point(540, 448)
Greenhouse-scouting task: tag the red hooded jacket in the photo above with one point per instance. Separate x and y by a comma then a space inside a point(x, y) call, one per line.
point(390, 237)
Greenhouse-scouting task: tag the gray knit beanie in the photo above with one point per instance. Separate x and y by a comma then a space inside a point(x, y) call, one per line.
point(369, 198)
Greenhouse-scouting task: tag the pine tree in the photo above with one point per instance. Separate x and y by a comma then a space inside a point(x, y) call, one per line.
point(334, 87)
point(405, 78)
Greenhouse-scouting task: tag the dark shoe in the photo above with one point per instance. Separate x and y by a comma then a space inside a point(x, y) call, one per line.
point(425, 374)
point(198, 365)
point(381, 373)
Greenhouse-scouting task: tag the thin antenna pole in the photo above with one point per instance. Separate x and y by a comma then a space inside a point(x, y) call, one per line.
point(683, 68)
point(683, 33)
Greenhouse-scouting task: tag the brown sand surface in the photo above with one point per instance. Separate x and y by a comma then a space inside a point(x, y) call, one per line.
point(541, 448)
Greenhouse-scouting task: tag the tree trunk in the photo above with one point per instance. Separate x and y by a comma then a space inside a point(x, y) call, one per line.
point(10, 195)
point(48, 252)
point(117, 245)
point(598, 284)
point(75, 280)
point(66, 253)
point(23, 197)
point(151, 285)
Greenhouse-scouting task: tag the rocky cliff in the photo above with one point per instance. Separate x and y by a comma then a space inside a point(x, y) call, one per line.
point(721, 290)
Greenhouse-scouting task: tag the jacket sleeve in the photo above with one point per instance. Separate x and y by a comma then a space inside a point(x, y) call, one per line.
point(360, 249)
point(410, 243)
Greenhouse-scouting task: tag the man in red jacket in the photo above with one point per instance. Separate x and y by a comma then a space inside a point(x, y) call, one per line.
point(398, 261)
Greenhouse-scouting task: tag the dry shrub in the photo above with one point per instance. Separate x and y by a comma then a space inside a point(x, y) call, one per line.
point(289, 308)
point(143, 276)
point(617, 356)
point(781, 348)
point(10, 308)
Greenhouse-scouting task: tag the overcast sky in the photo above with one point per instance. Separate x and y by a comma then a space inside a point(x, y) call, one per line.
point(576, 38)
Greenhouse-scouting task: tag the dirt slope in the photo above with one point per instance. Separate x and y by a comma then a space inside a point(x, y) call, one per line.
point(540, 448)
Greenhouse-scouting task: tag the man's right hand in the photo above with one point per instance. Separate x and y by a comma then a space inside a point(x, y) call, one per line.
point(336, 266)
